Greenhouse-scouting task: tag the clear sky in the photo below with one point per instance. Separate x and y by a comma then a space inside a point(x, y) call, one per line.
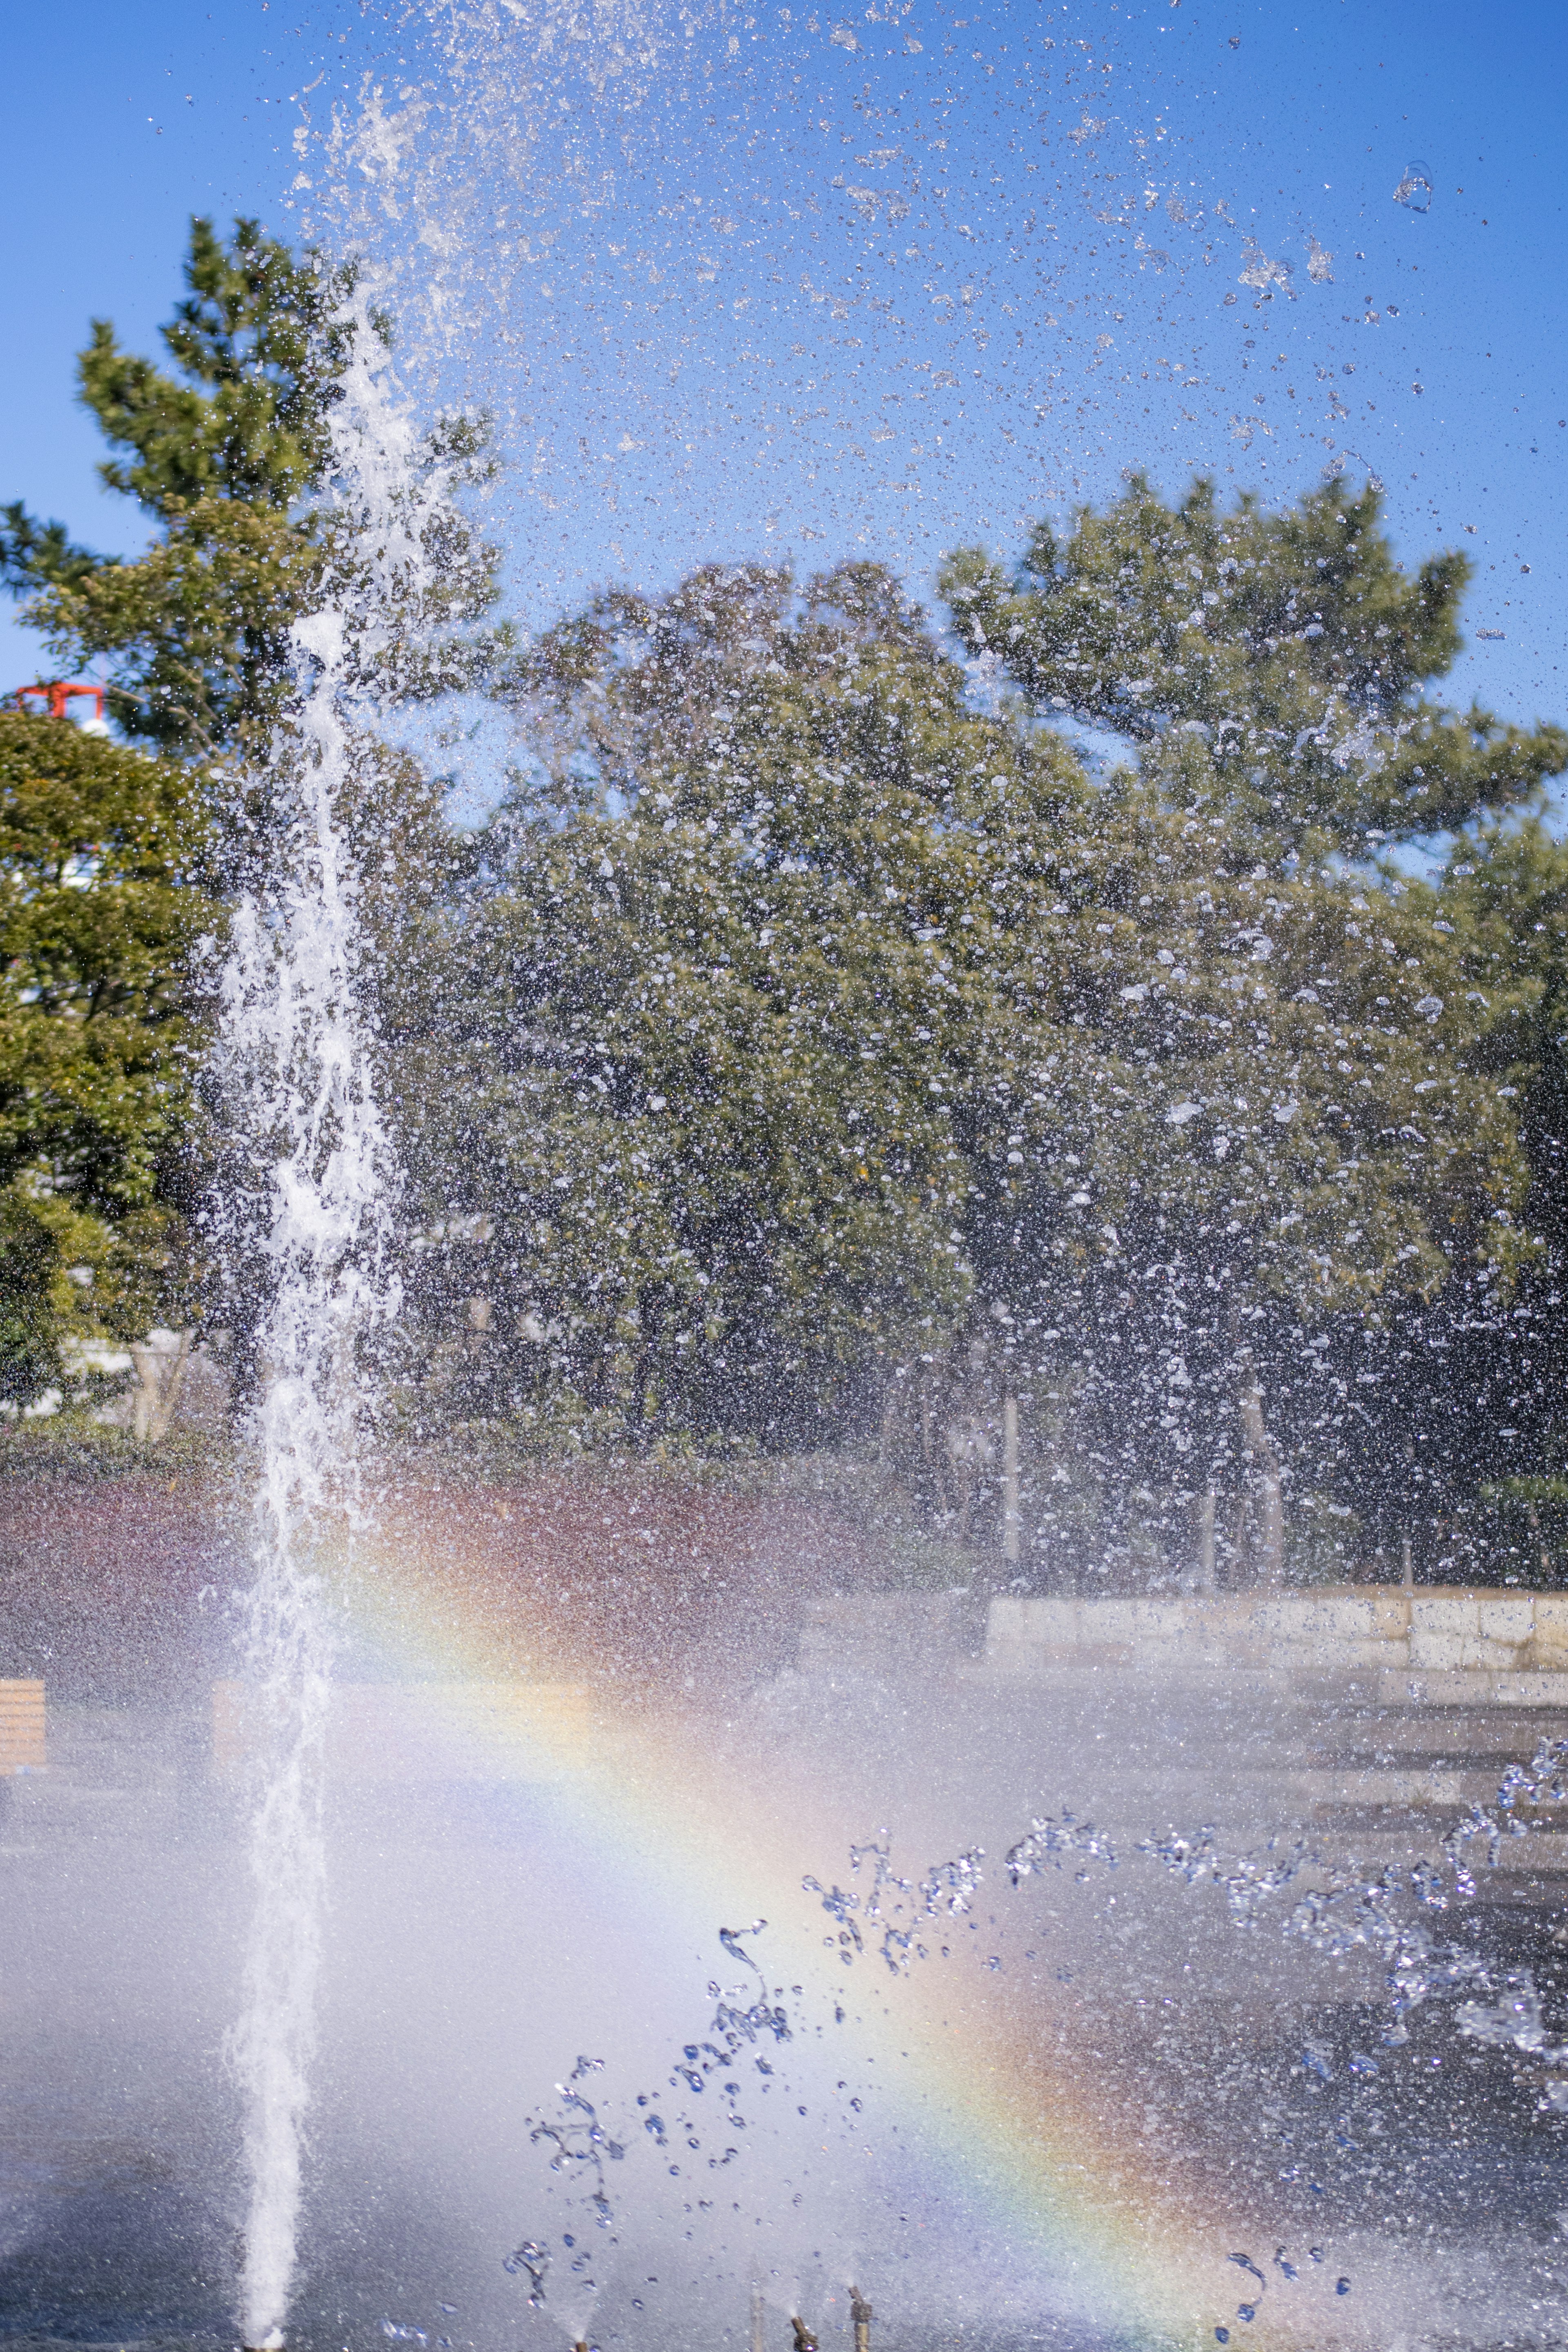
point(848, 278)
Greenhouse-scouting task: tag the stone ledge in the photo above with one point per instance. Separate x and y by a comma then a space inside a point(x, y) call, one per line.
point(1466, 1647)
point(1472, 1686)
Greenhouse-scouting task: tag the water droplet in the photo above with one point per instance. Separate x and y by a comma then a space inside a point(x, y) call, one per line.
point(1415, 191)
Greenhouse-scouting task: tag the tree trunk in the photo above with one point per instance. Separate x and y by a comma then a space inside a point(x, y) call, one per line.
point(159, 1361)
point(1265, 1457)
point(1534, 1515)
point(1011, 1515)
point(1408, 1577)
point(1206, 1501)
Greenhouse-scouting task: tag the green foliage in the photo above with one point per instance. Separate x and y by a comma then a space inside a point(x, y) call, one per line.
point(691, 1104)
point(221, 455)
point(1268, 1067)
point(806, 1055)
point(101, 853)
point(817, 1047)
point(1506, 893)
point(36, 1304)
point(225, 449)
point(1288, 648)
point(226, 455)
point(259, 343)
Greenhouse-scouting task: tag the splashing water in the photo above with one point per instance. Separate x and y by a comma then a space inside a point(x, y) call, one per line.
point(1415, 189)
point(576, 2132)
point(297, 1055)
point(1333, 1911)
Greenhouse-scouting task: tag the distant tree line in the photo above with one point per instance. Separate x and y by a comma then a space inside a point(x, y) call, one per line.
point(1135, 1163)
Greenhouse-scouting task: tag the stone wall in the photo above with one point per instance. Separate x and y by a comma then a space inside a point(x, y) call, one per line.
point(1448, 1642)
point(876, 1633)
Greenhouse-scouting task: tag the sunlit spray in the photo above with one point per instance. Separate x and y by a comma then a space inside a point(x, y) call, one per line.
point(297, 1056)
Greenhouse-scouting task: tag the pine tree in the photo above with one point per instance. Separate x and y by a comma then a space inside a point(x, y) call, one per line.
point(831, 1055)
point(225, 450)
point(1255, 1134)
point(1289, 1129)
point(225, 454)
point(220, 455)
point(1279, 660)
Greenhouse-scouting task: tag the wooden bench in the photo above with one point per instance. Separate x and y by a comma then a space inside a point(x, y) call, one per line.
point(22, 1748)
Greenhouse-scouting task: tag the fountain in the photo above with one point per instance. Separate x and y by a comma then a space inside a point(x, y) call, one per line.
point(294, 1047)
point(1153, 1934)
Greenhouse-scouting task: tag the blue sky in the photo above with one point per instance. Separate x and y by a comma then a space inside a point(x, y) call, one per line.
point(860, 279)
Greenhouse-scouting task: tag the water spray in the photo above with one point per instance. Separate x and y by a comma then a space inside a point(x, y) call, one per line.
point(297, 1055)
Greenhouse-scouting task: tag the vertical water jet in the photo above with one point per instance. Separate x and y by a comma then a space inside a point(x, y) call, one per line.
point(297, 1053)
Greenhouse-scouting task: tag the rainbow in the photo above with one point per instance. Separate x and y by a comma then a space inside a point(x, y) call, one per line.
point(995, 2094)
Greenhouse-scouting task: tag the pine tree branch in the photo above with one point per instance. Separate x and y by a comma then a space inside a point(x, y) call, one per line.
point(36, 555)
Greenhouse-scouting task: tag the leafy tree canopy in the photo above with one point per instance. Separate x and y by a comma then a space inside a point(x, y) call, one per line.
point(1289, 646)
point(102, 854)
point(812, 1030)
point(692, 1104)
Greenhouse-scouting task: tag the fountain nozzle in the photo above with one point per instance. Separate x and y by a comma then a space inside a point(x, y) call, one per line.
point(861, 2312)
point(804, 2341)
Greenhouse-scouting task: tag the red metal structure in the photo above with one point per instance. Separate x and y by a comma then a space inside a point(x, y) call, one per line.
point(56, 697)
